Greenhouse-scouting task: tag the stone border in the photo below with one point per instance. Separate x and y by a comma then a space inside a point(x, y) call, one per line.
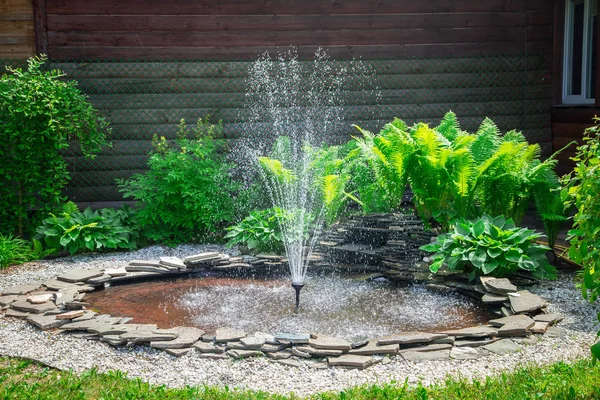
point(58, 304)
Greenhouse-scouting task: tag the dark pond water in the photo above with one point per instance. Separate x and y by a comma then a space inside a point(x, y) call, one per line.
point(338, 306)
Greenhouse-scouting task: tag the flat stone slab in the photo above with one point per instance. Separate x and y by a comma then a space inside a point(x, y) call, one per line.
point(465, 353)
point(11, 312)
point(329, 343)
point(115, 272)
point(526, 302)
point(80, 275)
point(55, 284)
point(205, 347)
point(351, 361)
point(178, 352)
point(473, 343)
point(45, 322)
point(280, 355)
point(411, 338)
point(213, 356)
point(145, 263)
point(428, 347)
point(473, 332)
point(223, 335)
point(491, 298)
point(71, 315)
point(40, 298)
point(516, 325)
point(502, 347)
point(148, 268)
point(202, 257)
point(252, 342)
point(293, 338)
point(421, 356)
point(86, 324)
point(498, 285)
point(187, 336)
point(373, 348)
point(554, 331)
point(99, 280)
point(172, 262)
point(111, 329)
point(244, 353)
point(20, 289)
point(144, 336)
point(24, 305)
point(67, 295)
point(6, 300)
point(319, 352)
point(539, 327)
point(549, 318)
point(299, 353)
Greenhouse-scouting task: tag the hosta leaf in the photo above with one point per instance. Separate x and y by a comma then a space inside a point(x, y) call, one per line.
point(431, 247)
point(489, 266)
point(526, 263)
point(494, 252)
point(512, 255)
point(436, 265)
point(478, 257)
point(462, 229)
point(478, 228)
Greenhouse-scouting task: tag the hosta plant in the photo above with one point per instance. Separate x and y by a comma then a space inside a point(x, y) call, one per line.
point(76, 231)
point(490, 246)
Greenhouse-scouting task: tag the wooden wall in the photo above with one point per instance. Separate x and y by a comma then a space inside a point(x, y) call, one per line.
point(148, 63)
point(17, 38)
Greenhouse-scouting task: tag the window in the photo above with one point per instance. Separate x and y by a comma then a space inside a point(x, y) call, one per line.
point(579, 78)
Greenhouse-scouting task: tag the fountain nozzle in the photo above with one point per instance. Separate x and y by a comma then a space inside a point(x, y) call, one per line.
point(297, 287)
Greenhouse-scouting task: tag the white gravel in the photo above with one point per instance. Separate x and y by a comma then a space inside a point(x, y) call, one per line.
point(19, 339)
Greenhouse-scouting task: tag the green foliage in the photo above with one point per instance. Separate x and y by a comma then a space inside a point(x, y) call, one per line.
point(14, 251)
point(40, 113)
point(490, 246)
point(188, 192)
point(260, 231)
point(77, 231)
point(24, 379)
point(582, 191)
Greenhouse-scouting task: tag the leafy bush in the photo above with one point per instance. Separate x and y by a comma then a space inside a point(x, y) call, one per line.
point(260, 231)
point(582, 192)
point(77, 231)
point(14, 251)
point(188, 192)
point(40, 114)
point(490, 246)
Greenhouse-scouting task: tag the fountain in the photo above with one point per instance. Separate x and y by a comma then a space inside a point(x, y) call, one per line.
point(297, 106)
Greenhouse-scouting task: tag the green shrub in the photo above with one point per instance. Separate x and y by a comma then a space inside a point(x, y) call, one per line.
point(188, 192)
point(77, 231)
point(490, 246)
point(260, 231)
point(582, 192)
point(14, 251)
point(40, 114)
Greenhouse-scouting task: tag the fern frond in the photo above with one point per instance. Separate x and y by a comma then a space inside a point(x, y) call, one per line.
point(449, 126)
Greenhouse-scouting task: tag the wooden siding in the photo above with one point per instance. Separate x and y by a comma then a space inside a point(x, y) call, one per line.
point(17, 37)
point(568, 125)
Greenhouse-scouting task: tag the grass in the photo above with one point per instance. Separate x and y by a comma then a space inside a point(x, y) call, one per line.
point(23, 379)
point(14, 251)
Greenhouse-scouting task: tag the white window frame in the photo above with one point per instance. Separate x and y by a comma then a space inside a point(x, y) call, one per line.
point(568, 53)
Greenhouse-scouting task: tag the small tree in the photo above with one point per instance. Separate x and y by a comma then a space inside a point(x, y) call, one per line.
point(39, 114)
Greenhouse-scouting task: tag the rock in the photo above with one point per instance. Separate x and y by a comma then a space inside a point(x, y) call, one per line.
point(515, 325)
point(299, 353)
point(528, 340)
point(504, 346)
point(147, 268)
point(208, 337)
point(70, 315)
point(178, 352)
point(23, 305)
point(527, 302)
point(213, 356)
point(490, 298)
point(80, 275)
point(271, 348)
point(204, 347)
point(55, 284)
point(6, 300)
point(11, 312)
point(549, 318)
point(554, 331)
point(244, 353)
point(76, 305)
point(45, 322)
point(280, 355)
point(87, 315)
point(202, 257)
point(99, 280)
point(473, 332)
point(290, 362)
point(236, 346)
point(506, 311)
point(186, 336)
point(145, 336)
point(420, 356)
point(293, 338)
point(373, 348)
point(319, 352)
point(172, 262)
point(359, 343)
point(429, 347)
point(253, 342)
point(498, 286)
point(40, 298)
point(145, 263)
point(465, 353)
point(473, 343)
point(329, 343)
point(223, 335)
point(20, 289)
point(231, 266)
point(114, 272)
point(350, 361)
point(411, 338)
point(67, 296)
point(316, 364)
point(539, 327)
point(446, 340)
point(113, 340)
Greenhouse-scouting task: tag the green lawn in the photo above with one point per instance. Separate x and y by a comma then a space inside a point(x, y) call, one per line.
point(21, 379)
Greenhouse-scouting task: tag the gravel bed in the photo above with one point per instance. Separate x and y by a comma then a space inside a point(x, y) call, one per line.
point(18, 338)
